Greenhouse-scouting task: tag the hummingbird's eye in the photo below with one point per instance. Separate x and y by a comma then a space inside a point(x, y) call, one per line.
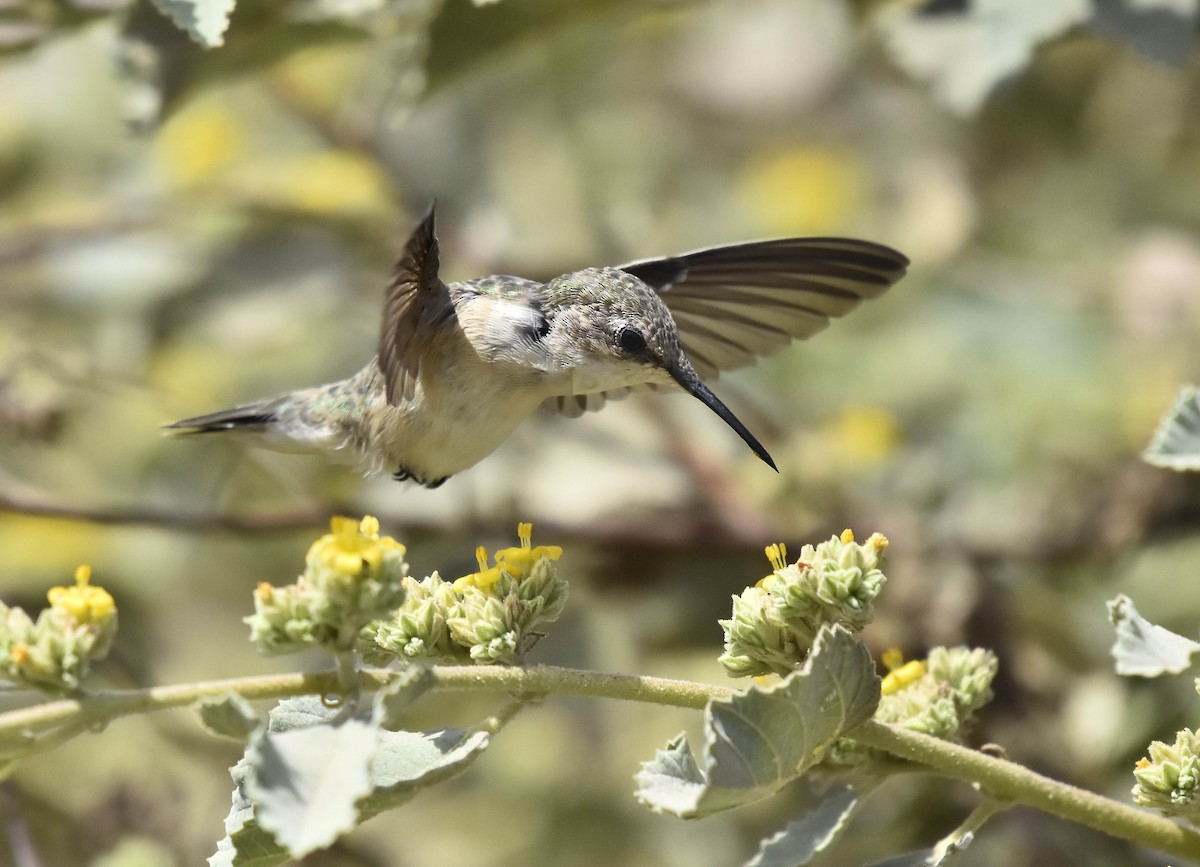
point(631, 340)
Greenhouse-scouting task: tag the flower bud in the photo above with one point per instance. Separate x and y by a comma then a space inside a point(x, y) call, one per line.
point(486, 617)
point(55, 652)
point(775, 622)
point(1170, 778)
point(352, 576)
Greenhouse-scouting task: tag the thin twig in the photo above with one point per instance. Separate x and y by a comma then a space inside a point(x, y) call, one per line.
point(661, 534)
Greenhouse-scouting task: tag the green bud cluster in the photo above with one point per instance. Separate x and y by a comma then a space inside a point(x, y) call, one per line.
point(55, 652)
point(485, 617)
point(1169, 780)
point(937, 697)
point(351, 577)
point(956, 682)
point(775, 622)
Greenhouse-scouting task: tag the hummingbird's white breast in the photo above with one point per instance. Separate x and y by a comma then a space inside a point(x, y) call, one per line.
point(476, 383)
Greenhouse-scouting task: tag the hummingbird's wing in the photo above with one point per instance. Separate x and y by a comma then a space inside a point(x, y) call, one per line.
point(738, 302)
point(414, 290)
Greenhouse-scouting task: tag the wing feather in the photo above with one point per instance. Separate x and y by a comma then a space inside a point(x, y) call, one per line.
point(736, 303)
point(415, 284)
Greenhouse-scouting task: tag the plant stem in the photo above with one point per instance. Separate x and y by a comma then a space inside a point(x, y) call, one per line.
point(98, 708)
point(999, 779)
point(1005, 780)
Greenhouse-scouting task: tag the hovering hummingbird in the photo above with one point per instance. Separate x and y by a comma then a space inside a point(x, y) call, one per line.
point(459, 366)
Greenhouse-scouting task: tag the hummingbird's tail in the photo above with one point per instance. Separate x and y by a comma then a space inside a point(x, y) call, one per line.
point(322, 420)
point(251, 418)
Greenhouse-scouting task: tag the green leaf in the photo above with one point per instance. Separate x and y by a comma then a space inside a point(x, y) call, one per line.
point(245, 843)
point(1143, 648)
point(304, 782)
point(965, 54)
point(1176, 443)
point(397, 767)
point(302, 712)
point(406, 762)
point(228, 716)
point(763, 738)
point(204, 20)
point(394, 699)
point(801, 840)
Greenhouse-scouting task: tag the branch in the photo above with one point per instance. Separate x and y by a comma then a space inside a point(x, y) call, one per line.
point(662, 534)
point(1007, 781)
point(999, 779)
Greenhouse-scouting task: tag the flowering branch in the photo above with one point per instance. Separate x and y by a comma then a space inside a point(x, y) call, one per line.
point(998, 778)
point(355, 596)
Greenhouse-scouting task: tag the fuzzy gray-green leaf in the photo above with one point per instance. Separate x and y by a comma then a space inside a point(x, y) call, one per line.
point(810, 835)
point(759, 740)
point(305, 782)
point(1143, 648)
point(406, 762)
point(204, 20)
point(228, 716)
point(1176, 443)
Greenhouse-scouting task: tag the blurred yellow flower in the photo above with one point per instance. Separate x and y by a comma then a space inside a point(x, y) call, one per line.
point(332, 182)
point(198, 142)
point(804, 191)
point(318, 77)
point(864, 434)
point(84, 603)
point(903, 675)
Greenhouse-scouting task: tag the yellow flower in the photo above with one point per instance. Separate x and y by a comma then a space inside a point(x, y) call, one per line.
point(199, 142)
point(863, 435)
point(351, 547)
point(777, 554)
point(485, 578)
point(878, 541)
point(847, 536)
point(807, 190)
point(892, 658)
point(901, 675)
point(20, 653)
point(84, 603)
point(516, 562)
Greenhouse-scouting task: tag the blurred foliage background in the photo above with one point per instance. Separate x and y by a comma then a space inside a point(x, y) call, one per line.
point(184, 228)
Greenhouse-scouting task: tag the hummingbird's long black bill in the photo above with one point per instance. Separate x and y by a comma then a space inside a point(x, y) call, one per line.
point(703, 393)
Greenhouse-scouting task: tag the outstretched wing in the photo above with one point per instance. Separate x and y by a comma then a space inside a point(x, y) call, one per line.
point(414, 290)
point(738, 302)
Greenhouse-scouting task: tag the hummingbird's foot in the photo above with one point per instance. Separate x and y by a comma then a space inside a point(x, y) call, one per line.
point(403, 475)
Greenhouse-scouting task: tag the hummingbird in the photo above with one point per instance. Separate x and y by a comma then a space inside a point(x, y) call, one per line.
point(461, 365)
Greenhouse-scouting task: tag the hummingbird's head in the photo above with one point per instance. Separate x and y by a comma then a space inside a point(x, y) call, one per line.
point(611, 330)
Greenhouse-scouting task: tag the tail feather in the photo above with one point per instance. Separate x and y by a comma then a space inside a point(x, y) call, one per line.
point(254, 416)
point(283, 423)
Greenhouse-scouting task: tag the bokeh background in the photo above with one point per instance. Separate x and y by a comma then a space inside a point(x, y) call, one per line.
point(182, 229)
